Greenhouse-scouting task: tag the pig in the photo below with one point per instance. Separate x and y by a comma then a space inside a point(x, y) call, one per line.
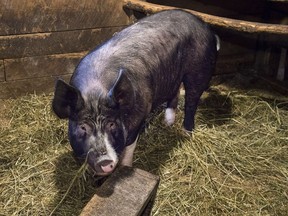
point(115, 87)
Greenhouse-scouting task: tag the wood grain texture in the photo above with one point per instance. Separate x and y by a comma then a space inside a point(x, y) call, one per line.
point(40, 85)
point(26, 16)
point(2, 71)
point(18, 46)
point(220, 22)
point(125, 193)
point(41, 40)
point(41, 66)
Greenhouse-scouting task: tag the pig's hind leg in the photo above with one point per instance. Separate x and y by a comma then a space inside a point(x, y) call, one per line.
point(170, 110)
point(193, 92)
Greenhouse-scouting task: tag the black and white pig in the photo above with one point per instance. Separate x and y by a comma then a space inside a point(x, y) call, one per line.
point(117, 85)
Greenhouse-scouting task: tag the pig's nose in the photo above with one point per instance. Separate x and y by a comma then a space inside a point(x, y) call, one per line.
point(107, 166)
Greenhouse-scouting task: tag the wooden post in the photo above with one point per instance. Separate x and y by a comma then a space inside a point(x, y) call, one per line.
point(128, 191)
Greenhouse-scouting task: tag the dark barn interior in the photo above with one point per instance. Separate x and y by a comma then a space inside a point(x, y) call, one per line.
point(41, 41)
point(234, 163)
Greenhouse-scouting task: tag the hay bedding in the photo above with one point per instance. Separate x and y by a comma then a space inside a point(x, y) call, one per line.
point(235, 163)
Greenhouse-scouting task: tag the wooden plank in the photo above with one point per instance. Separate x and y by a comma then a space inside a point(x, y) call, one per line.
point(41, 66)
point(13, 89)
point(26, 16)
point(126, 192)
point(18, 46)
point(219, 22)
point(232, 43)
point(234, 63)
point(2, 72)
point(224, 8)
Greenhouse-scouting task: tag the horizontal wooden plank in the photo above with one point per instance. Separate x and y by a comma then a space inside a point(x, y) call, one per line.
point(2, 72)
point(235, 44)
point(18, 46)
point(41, 66)
point(45, 84)
point(26, 16)
point(126, 192)
point(234, 63)
point(216, 21)
point(224, 8)
point(13, 89)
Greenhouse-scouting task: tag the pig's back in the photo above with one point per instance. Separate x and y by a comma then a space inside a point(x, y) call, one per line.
point(155, 42)
point(151, 49)
point(161, 44)
point(160, 32)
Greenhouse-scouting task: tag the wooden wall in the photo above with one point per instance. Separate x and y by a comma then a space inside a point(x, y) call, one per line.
point(43, 40)
point(239, 51)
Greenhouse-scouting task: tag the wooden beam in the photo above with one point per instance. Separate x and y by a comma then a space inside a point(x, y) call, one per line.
point(41, 66)
point(221, 22)
point(128, 191)
point(39, 85)
point(233, 63)
point(25, 45)
point(26, 16)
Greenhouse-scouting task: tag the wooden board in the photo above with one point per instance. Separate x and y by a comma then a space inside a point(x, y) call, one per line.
point(2, 71)
point(233, 63)
point(18, 46)
point(40, 85)
point(41, 66)
point(232, 43)
point(216, 21)
point(224, 8)
point(26, 16)
point(41, 40)
point(127, 192)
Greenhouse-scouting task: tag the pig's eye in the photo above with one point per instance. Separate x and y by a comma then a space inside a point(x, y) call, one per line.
point(83, 129)
point(111, 125)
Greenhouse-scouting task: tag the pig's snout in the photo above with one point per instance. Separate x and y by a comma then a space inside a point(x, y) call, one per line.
point(101, 165)
point(106, 166)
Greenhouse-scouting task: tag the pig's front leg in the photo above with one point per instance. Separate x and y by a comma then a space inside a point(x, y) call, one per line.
point(127, 155)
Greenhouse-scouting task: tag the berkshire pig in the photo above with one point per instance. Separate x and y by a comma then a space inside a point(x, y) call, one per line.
point(117, 85)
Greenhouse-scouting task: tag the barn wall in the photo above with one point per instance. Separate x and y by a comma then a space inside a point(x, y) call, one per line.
point(237, 50)
point(43, 40)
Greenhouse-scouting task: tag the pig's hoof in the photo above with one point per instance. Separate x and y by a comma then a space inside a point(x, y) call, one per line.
point(187, 131)
point(169, 116)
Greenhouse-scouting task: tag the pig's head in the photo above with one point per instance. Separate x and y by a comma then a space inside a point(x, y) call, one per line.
point(96, 121)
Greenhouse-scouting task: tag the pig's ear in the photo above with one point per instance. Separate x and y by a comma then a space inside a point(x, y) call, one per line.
point(121, 93)
point(67, 100)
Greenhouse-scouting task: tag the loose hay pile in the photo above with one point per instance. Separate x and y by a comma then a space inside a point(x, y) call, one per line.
point(235, 162)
